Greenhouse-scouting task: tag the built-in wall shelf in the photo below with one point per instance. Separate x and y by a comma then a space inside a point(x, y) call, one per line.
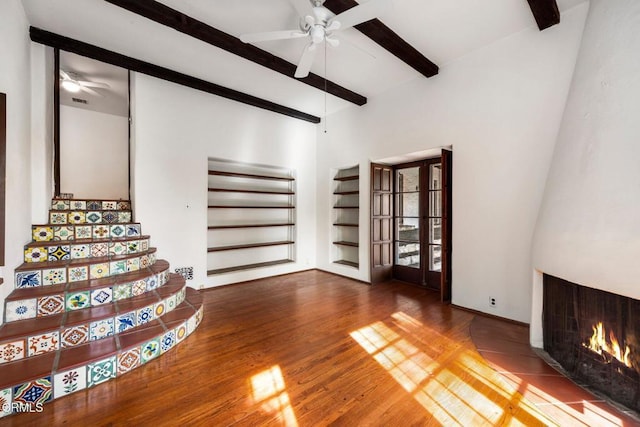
point(251, 216)
point(346, 216)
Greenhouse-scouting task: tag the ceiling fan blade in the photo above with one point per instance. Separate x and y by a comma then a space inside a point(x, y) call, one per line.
point(304, 66)
point(91, 91)
point(332, 42)
point(87, 83)
point(271, 35)
point(64, 75)
point(362, 13)
point(303, 7)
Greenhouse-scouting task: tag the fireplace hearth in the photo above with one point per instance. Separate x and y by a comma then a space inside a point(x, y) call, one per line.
point(593, 335)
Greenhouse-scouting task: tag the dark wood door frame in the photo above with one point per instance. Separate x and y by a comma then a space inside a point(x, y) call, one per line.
point(381, 267)
point(3, 171)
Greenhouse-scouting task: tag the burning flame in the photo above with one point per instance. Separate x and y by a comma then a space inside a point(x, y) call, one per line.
point(600, 345)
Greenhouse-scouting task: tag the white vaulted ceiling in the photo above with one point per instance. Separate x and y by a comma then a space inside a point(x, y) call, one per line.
point(442, 30)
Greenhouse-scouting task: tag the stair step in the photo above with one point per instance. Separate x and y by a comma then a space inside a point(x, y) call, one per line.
point(62, 217)
point(31, 274)
point(69, 232)
point(80, 249)
point(67, 370)
point(29, 303)
point(89, 204)
point(42, 335)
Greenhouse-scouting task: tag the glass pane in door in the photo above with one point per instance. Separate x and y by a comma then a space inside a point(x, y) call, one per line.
point(408, 254)
point(435, 258)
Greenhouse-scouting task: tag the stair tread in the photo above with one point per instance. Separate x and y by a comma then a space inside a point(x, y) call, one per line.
point(20, 371)
point(85, 241)
point(28, 266)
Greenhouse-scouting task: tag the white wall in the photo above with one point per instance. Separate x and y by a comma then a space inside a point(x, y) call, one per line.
point(588, 231)
point(14, 81)
point(500, 108)
point(175, 130)
point(93, 154)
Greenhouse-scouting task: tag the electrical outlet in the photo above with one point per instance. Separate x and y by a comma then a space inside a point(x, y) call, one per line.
point(492, 302)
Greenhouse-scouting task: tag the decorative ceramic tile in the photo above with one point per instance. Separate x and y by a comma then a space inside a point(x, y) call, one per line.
point(94, 217)
point(133, 230)
point(149, 350)
point(59, 253)
point(124, 205)
point(144, 315)
point(60, 205)
point(77, 217)
point(133, 264)
point(99, 249)
point(80, 251)
point(44, 343)
point(58, 218)
point(78, 274)
point(12, 351)
point(51, 304)
point(97, 271)
point(159, 309)
point(126, 321)
point(152, 282)
point(101, 329)
point(181, 332)
point(163, 277)
point(80, 205)
point(33, 393)
point(77, 300)
point(124, 217)
point(128, 360)
point(198, 316)
point(63, 232)
point(101, 296)
point(110, 217)
point(94, 205)
point(117, 248)
point(109, 205)
point(133, 246)
point(18, 310)
point(53, 276)
point(74, 335)
point(138, 288)
point(152, 258)
point(5, 402)
point(122, 291)
point(70, 381)
point(144, 245)
point(100, 231)
point(101, 371)
point(171, 302)
point(118, 230)
point(168, 341)
point(28, 279)
point(181, 296)
point(118, 267)
point(42, 234)
point(36, 254)
point(191, 324)
point(144, 261)
point(84, 232)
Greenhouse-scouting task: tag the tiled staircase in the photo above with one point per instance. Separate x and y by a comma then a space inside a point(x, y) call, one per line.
point(91, 303)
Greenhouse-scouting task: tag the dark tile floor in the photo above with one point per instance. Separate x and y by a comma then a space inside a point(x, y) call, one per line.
point(505, 346)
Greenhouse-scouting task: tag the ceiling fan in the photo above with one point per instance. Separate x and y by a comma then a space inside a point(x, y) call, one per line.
point(71, 82)
point(318, 24)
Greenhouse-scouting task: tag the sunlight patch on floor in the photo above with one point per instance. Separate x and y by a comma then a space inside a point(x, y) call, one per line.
point(269, 391)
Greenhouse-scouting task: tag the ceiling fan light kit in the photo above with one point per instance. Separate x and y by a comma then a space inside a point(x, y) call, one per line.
point(71, 83)
point(318, 24)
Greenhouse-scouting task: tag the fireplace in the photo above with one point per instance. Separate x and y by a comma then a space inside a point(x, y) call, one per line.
point(594, 335)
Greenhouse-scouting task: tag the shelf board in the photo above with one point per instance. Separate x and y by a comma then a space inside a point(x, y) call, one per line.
point(249, 207)
point(345, 224)
point(345, 243)
point(225, 227)
point(345, 262)
point(229, 190)
point(408, 254)
point(346, 207)
point(249, 246)
point(247, 266)
point(346, 178)
point(250, 175)
point(345, 193)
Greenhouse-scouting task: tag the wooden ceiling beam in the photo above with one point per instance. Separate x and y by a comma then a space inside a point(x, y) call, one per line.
point(388, 39)
point(185, 24)
point(546, 12)
point(90, 51)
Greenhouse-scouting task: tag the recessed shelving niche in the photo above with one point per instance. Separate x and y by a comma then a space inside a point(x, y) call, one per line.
point(251, 216)
point(346, 211)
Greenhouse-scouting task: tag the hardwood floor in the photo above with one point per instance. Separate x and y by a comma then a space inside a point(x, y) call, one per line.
point(309, 349)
